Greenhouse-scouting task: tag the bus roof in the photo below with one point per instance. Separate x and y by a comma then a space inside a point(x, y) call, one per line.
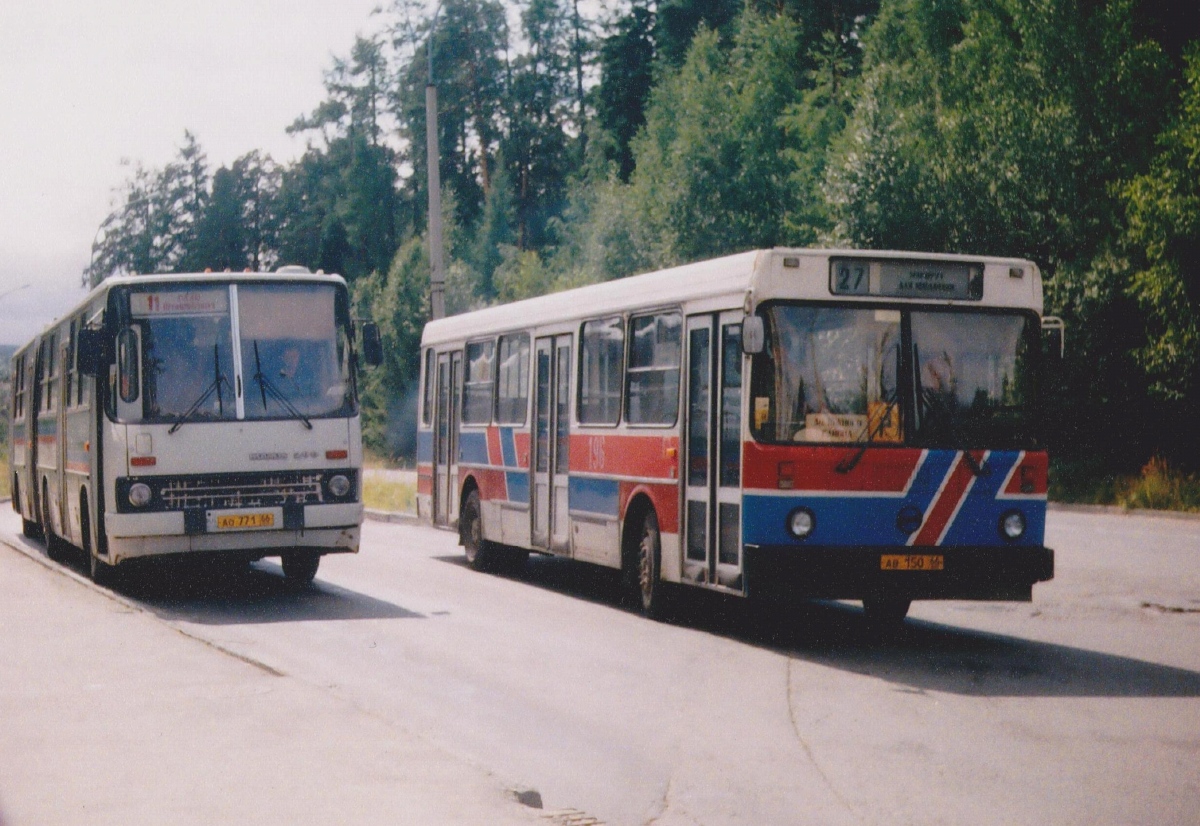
point(287, 273)
point(757, 275)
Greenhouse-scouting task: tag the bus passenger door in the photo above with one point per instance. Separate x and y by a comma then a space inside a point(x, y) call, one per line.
point(713, 452)
point(551, 443)
point(445, 435)
point(63, 392)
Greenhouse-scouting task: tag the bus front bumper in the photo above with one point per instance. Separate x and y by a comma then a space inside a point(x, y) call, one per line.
point(980, 573)
point(320, 528)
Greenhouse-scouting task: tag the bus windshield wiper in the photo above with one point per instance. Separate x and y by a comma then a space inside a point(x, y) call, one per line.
point(849, 464)
point(213, 386)
point(268, 388)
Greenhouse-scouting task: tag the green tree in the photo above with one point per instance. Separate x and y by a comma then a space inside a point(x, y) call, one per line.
point(996, 125)
point(1162, 242)
point(710, 176)
point(154, 225)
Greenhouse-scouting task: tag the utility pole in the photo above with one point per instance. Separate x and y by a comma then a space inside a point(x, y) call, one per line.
point(437, 274)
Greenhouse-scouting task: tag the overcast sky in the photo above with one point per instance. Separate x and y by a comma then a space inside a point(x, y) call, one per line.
point(85, 83)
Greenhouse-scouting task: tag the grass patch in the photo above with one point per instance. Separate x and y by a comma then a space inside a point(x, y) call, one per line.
point(386, 495)
point(1161, 487)
point(1157, 486)
point(5, 477)
point(375, 461)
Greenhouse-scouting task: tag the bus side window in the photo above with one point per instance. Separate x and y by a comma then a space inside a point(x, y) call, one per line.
point(601, 362)
point(653, 376)
point(478, 383)
point(427, 402)
point(127, 365)
point(512, 380)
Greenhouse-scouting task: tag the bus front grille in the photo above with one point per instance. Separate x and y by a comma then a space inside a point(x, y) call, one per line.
point(235, 490)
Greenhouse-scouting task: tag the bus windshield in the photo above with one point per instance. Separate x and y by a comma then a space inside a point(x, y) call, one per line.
point(937, 378)
point(294, 352)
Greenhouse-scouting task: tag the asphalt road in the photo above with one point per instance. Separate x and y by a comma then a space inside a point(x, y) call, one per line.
point(1080, 707)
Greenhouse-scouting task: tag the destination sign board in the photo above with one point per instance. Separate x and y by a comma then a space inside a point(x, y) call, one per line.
point(179, 302)
point(929, 280)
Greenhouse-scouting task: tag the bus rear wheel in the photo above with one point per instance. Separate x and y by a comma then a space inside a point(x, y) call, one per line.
point(55, 547)
point(482, 555)
point(643, 569)
point(300, 567)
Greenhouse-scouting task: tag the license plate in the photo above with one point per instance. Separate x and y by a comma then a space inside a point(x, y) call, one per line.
point(245, 521)
point(911, 562)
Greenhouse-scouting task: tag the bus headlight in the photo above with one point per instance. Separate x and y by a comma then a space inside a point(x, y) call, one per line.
point(339, 485)
point(1012, 525)
point(140, 494)
point(801, 522)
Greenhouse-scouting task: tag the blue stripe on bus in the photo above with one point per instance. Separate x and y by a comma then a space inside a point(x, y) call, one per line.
point(518, 486)
point(472, 448)
point(978, 520)
point(425, 446)
point(508, 449)
point(600, 496)
point(871, 520)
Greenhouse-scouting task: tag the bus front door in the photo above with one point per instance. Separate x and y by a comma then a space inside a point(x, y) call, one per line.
point(551, 443)
point(445, 434)
point(713, 452)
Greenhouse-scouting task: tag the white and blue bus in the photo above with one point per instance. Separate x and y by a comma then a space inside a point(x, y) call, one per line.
point(838, 424)
point(207, 412)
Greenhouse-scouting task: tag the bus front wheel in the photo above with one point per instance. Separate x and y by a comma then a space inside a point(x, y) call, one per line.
point(299, 567)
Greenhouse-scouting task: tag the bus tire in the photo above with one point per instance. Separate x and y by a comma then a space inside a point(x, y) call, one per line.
point(646, 589)
point(98, 570)
point(885, 612)
point(482, 555)
point(31, 529)
point(55, 547)
point(299, 567)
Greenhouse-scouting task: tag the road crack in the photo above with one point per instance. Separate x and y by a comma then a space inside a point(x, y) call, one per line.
point(812, 758)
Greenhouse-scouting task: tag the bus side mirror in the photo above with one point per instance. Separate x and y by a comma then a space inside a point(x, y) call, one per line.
point(1055, 331)
point(754, 337)
point(371, 343)
point(91, 354)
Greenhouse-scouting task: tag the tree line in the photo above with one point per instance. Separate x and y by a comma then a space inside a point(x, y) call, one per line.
point(582, 143)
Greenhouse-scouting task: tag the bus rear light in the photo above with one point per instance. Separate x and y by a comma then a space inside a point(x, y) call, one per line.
point(143, 461)
point(1027, 483)
point(787, 475)
point(337, 454)
point(140, 495)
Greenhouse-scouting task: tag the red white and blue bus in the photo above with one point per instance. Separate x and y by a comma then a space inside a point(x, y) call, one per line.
point(210, 412)
point(834, 424)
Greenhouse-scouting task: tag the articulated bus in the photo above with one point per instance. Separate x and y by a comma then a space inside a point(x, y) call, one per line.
point(172, 414)
point(828, 424)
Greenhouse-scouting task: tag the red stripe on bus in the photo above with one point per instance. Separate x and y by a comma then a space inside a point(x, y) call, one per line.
point(879, 470)
point(495, 457)
point(1030, 476)
point(493, 484)
point(650, 456)
point(945, 505)
point(665, 499)
point(521, 443)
